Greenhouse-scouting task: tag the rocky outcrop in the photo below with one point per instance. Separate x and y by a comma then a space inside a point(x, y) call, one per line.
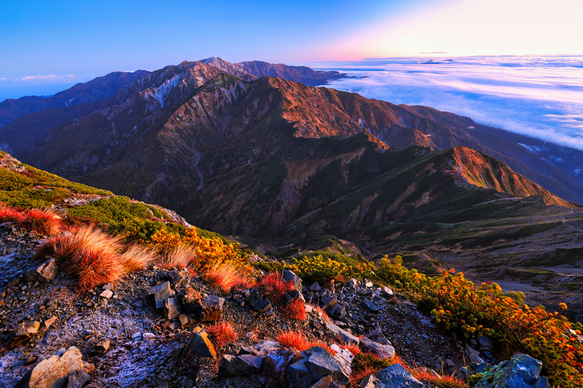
point(521, 371)
point(64, 369)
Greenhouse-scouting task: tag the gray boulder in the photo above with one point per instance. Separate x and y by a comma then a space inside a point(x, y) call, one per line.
point(396, 376)
point(161, 292)
point(344, 336)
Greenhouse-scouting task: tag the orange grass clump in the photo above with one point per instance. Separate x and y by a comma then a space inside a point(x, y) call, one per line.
point(224, 276)
point(222, 333)
point(354, 349)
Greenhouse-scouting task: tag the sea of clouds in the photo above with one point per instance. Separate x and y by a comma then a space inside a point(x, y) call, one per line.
point(538, 96)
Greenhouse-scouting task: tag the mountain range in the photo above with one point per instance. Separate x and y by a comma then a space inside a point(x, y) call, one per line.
point(250, 149)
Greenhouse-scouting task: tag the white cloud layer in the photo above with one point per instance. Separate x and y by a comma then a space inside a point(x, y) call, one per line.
point(540, 97)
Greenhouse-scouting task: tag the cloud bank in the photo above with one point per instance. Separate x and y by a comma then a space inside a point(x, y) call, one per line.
point(541, 97)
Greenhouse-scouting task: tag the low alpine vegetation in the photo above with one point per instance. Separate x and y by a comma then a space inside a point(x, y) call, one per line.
point(222, 333)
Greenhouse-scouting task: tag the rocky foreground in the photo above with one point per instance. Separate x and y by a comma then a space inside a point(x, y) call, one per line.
point(152, 330)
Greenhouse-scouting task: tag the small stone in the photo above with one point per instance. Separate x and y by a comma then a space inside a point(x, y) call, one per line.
point(290, 276)
point(103, 346)
point(27, 329)
point(243, 365)
point(78, 379)
point(107, 294)
point(345, 336)
point(161, 292)
point(183, 319)
point(327, 299)
point(382, 351)
point(148, 336)
point(397, 376)
point(368, 284)
point(171, 309)
point(45, 273)
point(387, 291)
point(137, 336)
point(50, 321)
point(258, 302)
point(31, 360)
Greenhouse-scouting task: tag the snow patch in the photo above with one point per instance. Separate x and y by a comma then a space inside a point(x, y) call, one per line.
point(161, 92)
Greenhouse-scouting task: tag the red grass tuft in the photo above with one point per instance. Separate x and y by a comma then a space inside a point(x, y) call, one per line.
point(180, 257)
point(222, 333)
point(296, 310)
point(274, 287)
point(294, 340)
point(298, 341)
point(8, 214)
point(41, 221)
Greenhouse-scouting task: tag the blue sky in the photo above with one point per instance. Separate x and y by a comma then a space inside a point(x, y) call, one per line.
point(46, 45)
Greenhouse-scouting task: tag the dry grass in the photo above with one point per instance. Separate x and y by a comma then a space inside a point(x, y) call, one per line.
point(225, 276)
point(138, 257)
point(222, 333)
point(180, 257)
point(274, 288)
point(296, 310)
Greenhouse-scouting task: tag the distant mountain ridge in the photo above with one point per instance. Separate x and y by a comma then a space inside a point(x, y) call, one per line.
point(181, 135)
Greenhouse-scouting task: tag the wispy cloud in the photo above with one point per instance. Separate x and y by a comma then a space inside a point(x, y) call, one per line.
point(49, 78)
point(537, 96)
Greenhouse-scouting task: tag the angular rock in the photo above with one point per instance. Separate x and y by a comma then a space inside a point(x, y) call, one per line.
point(344, 336)
point(78, 379)
point(148, 336)
point(298, 375)
point(243, 365)
point(107, 294)
point(352, 284)
point(191, 303)
point(369, 382)
point(103, 346)
point(477, 363)
point(212, 308)
point(295, 279)
point(45, 273)
point(370, 306)
point(175, 277)
point(171, 309)
point(161, 292)
point(396, 376)
point(49, 322)
point(382, 351)
point(327, 299)
point(27, 329)
point(315, 286)
point(183, 319)
point(57, 370)
point(199, 345)
point(258, 302)
point(320, 364)
point(337, 312)
point(378, 336)
point(292, 295)
point(521, 371)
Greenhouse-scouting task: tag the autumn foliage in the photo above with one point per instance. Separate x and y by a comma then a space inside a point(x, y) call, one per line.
point(222, 333)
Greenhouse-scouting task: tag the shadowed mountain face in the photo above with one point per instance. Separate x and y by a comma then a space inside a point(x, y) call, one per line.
point(276, 159)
